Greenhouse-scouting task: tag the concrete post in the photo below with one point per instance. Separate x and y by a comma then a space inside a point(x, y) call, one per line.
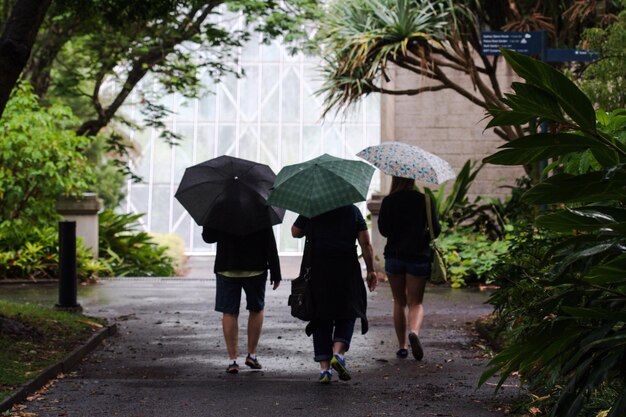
point(84, 211)
point(378, 241)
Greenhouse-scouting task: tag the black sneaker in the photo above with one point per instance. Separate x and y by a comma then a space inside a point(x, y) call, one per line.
point(416, 347)
point(402, 353)
point(233, 368)
point(253, 362)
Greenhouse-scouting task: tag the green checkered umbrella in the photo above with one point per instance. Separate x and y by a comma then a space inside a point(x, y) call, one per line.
point(320, 185)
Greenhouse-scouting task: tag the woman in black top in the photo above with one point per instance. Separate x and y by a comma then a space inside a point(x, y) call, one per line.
point(402, 220)
point(337, 285)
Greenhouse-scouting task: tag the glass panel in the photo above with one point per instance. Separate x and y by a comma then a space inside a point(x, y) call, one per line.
point(354, 141)
point(226, 141)
point(205, 143)
point(271, 52)
point(182, 222)
point(162, 161)
point(207, 107)
point(250, 51)
point(228, 99)
point(311, 142)
point(333, 143)
point(160, 209)
point(249, 86)
point(286, 241)
point(372, 108)
point(248, 144)
point(183, 152)
point(291, 96)
point(270, 152)
point(290, 145)
point(142, 162)
point(139, 198)
point(186, 109)
point(269, 93)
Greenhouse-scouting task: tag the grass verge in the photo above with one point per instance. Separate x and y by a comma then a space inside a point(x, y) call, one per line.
point(33, 338)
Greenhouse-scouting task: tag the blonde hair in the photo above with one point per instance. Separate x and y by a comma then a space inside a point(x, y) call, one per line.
point(401, 184)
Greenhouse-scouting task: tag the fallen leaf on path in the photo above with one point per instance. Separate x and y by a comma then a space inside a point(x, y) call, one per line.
point(92, 324)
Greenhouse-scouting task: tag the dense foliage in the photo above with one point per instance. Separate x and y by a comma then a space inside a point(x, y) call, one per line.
point(129, 252)
point(40, 160)
point(604, 81)
point(569, 333)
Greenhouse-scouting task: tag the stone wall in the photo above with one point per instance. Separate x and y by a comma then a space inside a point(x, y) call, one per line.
point(448, 125)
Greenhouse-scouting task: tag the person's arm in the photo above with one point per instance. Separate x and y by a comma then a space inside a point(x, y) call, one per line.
point(297, 232)
point(368, 256)
point(299, 226)
point(273, 260)
point(436, 224)
point(384, 223)
point(210, 235)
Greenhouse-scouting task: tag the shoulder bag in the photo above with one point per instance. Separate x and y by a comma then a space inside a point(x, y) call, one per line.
point(439, 271)
point(301, 300)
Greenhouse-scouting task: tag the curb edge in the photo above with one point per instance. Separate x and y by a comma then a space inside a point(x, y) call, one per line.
point(65, 365)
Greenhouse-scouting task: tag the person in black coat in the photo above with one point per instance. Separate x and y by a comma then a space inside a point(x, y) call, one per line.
point(402, 220)
point(242, 262)
point(337, 287)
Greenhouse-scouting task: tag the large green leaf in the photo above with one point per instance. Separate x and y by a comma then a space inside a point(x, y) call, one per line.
point(573, 101)
point(611, 272)
point(591, 187)
point(587, 219)
point(537, 147)
point(594, 313)
point(526, 104)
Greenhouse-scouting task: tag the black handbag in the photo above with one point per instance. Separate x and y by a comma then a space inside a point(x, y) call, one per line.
point(301, 299)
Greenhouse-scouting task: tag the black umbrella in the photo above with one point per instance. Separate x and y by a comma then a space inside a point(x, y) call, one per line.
point(229, 194)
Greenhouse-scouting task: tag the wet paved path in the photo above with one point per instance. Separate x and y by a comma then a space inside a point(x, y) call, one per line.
point(169, 359)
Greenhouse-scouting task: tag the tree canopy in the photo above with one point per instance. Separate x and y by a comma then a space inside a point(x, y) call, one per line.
point(439, 40)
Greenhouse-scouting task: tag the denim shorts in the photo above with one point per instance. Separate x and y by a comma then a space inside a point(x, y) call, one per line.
point(228, 293)
point(418, 268)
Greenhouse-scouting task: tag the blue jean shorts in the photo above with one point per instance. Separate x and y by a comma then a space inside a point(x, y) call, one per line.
point(418, 268)
point(228, 293)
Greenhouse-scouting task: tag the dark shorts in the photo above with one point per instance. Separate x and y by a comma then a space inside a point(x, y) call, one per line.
point(418, 268)
point(228, 293)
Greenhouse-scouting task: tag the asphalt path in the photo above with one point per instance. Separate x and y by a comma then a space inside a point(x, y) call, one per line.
point(169, 359)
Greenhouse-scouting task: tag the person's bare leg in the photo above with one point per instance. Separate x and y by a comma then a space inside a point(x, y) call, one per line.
point(230, 326)
point(339, 347)
point(397, 282)
point(324, 365)
point(255, 324)
point(415, 296)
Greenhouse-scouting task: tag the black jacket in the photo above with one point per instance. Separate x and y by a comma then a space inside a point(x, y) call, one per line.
point(402, 220)
point(253, 252)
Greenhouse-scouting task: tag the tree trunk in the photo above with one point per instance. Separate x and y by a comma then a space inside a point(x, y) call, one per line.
point(17, 41)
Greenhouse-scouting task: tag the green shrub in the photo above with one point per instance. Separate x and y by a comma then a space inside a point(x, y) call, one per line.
point(469, 256)
point(129, 252)
point(175, 249)
point(41, 158)
point(36, 256)
point(569, 330)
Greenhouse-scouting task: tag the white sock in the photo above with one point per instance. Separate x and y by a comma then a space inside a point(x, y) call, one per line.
point(339, 355)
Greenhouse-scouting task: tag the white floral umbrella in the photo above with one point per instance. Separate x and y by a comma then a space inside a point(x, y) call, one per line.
point(408, 161)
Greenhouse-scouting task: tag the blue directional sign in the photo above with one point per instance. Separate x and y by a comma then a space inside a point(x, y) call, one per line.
point(528, 43)
point(570, 55)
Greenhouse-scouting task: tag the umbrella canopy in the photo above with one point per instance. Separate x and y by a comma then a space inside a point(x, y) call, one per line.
point(322, 184)
point(229, 194)
point(408, 161)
